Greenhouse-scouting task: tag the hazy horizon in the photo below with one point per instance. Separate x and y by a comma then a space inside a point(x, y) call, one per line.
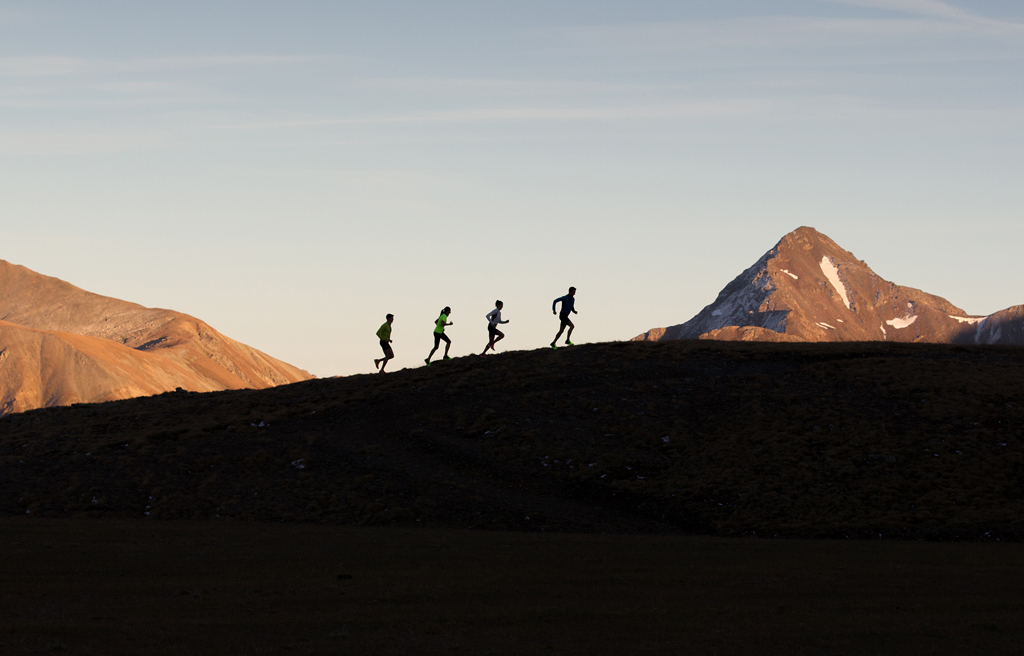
point(291, 174)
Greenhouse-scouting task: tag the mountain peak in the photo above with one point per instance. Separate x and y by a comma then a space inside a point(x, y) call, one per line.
point(808, 288)
point(804, 233)
point(66, 345)
point(806, 238)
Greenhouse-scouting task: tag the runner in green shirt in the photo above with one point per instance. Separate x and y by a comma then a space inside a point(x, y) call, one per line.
point(439, 335)
point(384, 335)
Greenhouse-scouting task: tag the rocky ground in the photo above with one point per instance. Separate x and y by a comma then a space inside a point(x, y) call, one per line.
point(862, 440)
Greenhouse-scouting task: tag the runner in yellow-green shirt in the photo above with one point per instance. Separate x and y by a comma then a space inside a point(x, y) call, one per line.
point(384, 335)
point(439, 335)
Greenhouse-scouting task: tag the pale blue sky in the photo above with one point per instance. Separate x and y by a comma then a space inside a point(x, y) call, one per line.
point(290, 172)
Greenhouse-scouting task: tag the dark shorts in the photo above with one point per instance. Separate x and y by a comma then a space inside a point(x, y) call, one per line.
point(492, 329)
point(387, 349)
point(438, 337)
point(565, 320)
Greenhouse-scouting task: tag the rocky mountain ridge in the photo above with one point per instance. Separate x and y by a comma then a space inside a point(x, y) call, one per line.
point(61, 345)
point(809, 289)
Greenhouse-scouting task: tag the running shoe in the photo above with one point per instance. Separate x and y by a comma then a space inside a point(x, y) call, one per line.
point(568, 343)
point(447, 358)
point(427, 361)
point(553, 345)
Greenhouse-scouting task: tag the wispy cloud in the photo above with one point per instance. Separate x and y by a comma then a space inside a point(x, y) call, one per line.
point(56, 66)
point(15, 16)
point(919, 7)
point(690, 110)
point(360, 178)
point(141, 87)
point(40, 66)
point(912, 22)
point(935, 9)
point(205, 61)
point(38, 95)
point(23, 144)
point(820, 108)
point(773, 32)
point(511, 86)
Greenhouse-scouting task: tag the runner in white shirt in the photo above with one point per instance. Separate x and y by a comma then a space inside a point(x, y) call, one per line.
point(493, 319)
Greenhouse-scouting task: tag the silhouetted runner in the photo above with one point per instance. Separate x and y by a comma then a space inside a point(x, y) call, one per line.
point(493, 319)
point(384, 335)
point(439, 335)
point(568, 307)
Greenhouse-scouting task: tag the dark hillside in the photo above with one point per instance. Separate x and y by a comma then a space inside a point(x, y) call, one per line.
point(859, 440)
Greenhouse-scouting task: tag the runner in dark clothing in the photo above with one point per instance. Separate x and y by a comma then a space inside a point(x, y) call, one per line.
point(439, 335)
point(568, 307)
point(384, 335)
point(493, 319)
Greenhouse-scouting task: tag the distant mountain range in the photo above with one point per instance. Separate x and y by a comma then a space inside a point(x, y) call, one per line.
point(61, 345)
point(808, 289)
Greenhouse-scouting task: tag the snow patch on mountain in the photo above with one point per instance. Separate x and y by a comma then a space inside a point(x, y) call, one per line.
point(791, 275)
point(832, 273)
point(970, 320)
point(901, 323)
point(825, 325)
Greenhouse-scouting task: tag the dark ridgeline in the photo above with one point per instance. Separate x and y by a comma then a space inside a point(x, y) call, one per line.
point(726, 438)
